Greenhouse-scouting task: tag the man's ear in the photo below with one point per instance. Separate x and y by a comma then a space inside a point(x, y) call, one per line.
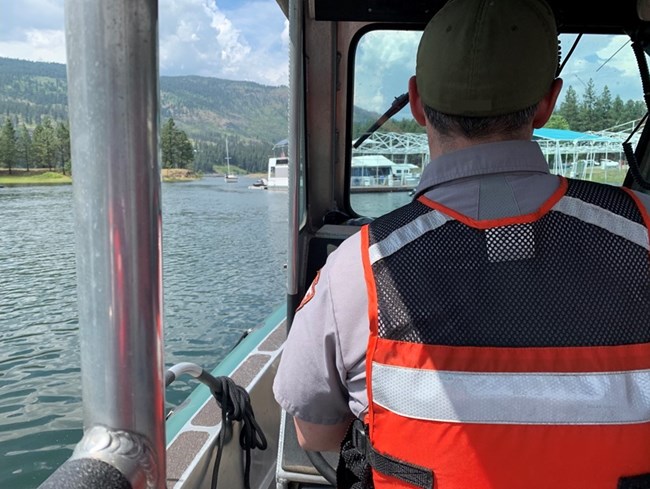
point(416, 104)
point(547, 104)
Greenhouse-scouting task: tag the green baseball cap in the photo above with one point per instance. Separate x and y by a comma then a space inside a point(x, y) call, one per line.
point(487, 57)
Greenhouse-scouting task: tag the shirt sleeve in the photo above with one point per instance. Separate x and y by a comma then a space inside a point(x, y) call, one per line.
point(311, 380)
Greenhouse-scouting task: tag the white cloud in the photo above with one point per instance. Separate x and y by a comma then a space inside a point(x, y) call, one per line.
point(623, 58)
point(384, 63)
point(19, 16)
point(233, 48)
point(37, 45)
point(249, 40)
point(591, 61)
point(243, 40)
point(247, 43)
point(284, 37)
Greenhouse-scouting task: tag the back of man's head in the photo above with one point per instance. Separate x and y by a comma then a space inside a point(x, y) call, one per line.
point(487, 58)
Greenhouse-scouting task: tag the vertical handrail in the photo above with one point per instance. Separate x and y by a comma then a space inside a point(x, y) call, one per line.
point(112, 62)
point(296, 143)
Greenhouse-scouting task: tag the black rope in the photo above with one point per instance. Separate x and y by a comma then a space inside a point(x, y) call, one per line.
point(235, 405)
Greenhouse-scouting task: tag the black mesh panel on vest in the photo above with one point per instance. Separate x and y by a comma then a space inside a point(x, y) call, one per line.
point(555, 282)
point(607, 197)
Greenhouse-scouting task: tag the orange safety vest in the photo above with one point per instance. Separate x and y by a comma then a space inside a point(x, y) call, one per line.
point(511, 353)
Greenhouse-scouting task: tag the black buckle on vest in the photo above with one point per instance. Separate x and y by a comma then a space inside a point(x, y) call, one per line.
point(634, 482)
point(359, 437)
point(386, 464)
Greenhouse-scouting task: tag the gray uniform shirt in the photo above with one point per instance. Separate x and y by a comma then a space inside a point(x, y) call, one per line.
point(322, 378)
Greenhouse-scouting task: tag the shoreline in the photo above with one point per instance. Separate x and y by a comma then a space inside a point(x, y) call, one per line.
point(43, 177)
point(32, 177)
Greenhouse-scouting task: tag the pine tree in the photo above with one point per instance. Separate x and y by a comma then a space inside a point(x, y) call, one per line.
point(185, 150)
point(44, 144)
point(167, 144)
point(618, 111)
point(63, 146)
point(8, 145)
point(603, 109)
point(587, 119)
point(569, 108)
point(24, 147)
point(177, 150)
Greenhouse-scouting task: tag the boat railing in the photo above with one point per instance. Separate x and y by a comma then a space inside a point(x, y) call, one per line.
point(112, 63)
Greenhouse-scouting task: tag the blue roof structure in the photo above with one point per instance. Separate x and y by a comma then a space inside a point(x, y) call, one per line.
point(565, 135)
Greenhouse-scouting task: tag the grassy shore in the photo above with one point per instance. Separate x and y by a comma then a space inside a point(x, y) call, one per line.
point(44, 177)
point(34, 177)
point(179, 175)
point(612, 176)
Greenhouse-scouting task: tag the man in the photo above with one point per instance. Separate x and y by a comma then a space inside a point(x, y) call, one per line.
point(495, 332)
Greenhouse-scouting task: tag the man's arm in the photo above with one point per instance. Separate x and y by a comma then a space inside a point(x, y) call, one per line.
point(321, 437)
point(313, 377)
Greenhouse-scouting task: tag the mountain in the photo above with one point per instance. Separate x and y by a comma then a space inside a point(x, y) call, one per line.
point(252, 116)
point(204, 105)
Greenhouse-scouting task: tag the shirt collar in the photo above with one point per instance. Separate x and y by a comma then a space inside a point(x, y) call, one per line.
point(483, 159)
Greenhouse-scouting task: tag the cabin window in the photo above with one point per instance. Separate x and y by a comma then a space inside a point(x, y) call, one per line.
point(387, 165)
point(600, 104)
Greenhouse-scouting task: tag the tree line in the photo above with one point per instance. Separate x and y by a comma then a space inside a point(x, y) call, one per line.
point(47, 143)
point(591, 112)
point(176, 148)
point(46, 146)
point(595, 112)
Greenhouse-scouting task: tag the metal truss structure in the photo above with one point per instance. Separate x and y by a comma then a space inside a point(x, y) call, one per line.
point(568, 153)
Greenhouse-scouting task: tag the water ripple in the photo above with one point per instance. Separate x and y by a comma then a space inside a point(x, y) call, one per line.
point(224, 250)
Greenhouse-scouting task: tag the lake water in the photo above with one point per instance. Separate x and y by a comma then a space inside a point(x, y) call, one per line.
point(224, 256)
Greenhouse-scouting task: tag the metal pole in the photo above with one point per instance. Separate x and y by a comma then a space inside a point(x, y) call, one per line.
point(296, 142)
point(112, 56)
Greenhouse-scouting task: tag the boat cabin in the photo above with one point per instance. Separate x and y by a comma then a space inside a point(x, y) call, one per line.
point(350, 63)
point(278, 173)
point(376, 173)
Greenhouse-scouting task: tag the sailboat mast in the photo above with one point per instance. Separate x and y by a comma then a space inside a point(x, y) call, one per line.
point(230, 177)
point(227, 157)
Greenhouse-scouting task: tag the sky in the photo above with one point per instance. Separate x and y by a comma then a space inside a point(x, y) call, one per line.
point(383, 66)
point(248, 40)
point(232, 39)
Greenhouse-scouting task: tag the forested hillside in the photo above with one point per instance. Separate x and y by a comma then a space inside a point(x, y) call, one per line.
point(253, 117)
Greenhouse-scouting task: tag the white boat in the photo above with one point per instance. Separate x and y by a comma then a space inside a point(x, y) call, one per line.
point(127, 441)
point(229, 177)
point(260, 184)
point(278, 173)
point(377, 173)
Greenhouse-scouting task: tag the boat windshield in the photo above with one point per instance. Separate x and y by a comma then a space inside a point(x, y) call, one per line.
point(600, 104)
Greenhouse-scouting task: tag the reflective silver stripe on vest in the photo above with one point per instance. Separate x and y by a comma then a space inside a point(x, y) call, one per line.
point(404, 235)
point(563, 398)
point(592, 214)
point(614, 223)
